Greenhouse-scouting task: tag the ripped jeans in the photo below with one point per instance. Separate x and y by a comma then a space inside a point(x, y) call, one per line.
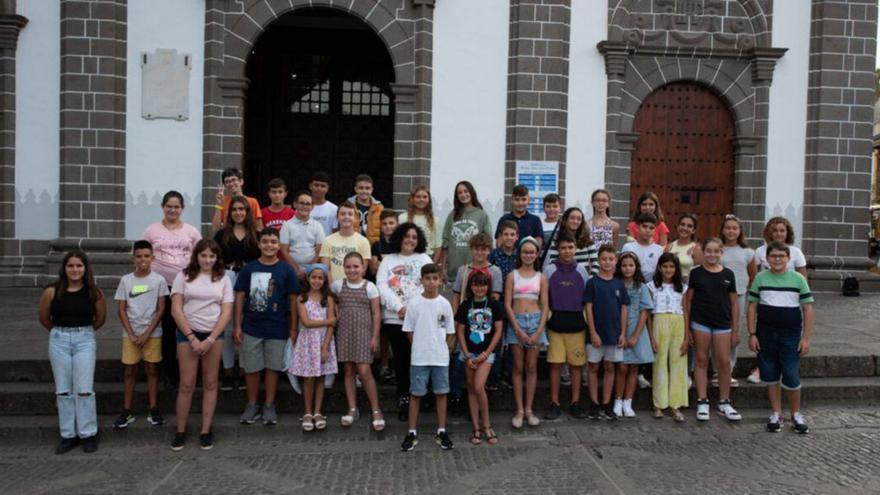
point(72, 354)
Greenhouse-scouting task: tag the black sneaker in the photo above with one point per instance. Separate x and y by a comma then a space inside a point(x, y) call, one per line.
point(774, 424)
point(206, 441)
point(409, 442)
point(66, 445)
point(608, 411)
point(443, 440)
point(179, 440)
point(124, 419)
point(154, 417)
point(576, 411)
point(227, 383)
point(799, 424)
point(593, 411)
point(403, 409)
point(553, 412)
point(90, 444)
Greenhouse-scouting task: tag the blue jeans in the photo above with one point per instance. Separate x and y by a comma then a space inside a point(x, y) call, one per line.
point(779, 359)
point(72, 354)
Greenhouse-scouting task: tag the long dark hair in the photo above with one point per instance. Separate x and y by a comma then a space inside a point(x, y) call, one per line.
point(646, 196)
point(250, 232)
point(400, 232)
point(581, 236)
point(638, 276)
point(325, 288)
point(457, 206)
point(193, 269)
point(478, 276)
point(676, 278)
point(88, 277)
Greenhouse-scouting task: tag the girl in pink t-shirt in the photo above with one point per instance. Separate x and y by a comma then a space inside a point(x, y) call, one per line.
point(201, 303)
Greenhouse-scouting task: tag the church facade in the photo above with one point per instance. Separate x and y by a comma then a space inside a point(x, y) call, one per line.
point(753, 107)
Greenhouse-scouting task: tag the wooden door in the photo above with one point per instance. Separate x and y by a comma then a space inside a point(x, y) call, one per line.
point(684, 154)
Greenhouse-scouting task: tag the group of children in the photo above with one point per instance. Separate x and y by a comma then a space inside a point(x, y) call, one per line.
point(371, 278)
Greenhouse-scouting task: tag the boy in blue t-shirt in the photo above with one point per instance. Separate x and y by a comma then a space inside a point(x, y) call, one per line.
point(606, 299)
point(780, 325)
point(265, 316)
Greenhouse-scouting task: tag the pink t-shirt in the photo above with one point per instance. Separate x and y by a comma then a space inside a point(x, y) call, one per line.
point(202, 299)
point(633, 231)
point(172, 248)
point(276, 220)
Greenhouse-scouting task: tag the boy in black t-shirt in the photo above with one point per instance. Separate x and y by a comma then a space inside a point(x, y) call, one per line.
point(378, 249)
point(479, 322)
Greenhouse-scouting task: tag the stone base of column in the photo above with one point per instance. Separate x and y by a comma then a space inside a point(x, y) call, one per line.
point(827, 273)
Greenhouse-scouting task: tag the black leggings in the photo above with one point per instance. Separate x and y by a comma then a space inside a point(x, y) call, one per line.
point(170, 372)
point(401, 348)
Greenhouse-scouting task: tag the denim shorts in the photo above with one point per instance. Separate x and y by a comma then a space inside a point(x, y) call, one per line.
point(712, 331)
point(181, 338)
point(779, 360)
point(420, 376)
point(464, 356)
point(528, 323)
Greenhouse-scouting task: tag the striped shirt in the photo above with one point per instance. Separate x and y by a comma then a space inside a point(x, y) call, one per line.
point(587, 257)
point(779, 298)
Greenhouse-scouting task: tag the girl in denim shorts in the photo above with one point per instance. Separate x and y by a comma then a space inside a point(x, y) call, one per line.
point(525, 299)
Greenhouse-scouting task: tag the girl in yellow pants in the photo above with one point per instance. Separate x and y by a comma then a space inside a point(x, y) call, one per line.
point(669, 385)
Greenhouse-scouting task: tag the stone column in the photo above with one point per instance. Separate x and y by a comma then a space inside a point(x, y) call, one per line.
point(537, 85)
point(10, 26)
point(837, 176)
point(93, 72)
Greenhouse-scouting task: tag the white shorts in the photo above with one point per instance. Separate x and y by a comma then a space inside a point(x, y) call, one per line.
point(610, 353)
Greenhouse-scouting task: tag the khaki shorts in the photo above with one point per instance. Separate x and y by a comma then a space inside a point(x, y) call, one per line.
point(151, 352)
point(258, 354)
point(567, 348)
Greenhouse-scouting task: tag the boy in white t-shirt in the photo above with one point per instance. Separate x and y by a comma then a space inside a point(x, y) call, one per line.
point(644, 246)
point(323, 211)
point(431, 331)
point(140, 302)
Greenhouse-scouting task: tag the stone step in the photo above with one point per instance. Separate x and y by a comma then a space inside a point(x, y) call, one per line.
point(39, 398)
point(814, 365)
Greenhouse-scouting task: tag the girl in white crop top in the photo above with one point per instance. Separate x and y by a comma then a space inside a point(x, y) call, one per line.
point(525, 299)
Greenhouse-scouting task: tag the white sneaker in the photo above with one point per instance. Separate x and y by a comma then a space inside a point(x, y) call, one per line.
point(754, 376)
point(643, 382)
point(726, 410)
point(627, 409)
point(618, 407)
point(703, 410)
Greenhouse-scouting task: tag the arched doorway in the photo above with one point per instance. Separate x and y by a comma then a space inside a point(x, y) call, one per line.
point(684, 154)
point(319, 98)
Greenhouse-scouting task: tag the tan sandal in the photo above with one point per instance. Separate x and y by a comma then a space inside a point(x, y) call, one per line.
point(378, 422)
point(307, 423)
point(475, 438)
point(677, 415)
point(658, 413)
point(491, 436)
point(320, 421)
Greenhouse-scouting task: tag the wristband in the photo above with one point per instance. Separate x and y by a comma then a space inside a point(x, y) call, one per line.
point(219, 207)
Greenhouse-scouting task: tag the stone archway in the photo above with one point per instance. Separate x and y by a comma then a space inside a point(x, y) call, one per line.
point(232, 29)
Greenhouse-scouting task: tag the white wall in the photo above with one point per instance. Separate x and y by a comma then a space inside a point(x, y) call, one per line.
point(469, 101)
point(587, 90)
point(37, 116)
point(163, 154)
point(786, 145)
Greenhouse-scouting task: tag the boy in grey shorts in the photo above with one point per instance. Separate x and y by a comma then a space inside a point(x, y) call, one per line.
point(265, 316)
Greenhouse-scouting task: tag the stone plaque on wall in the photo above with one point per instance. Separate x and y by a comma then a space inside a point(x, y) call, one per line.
point(165, 84)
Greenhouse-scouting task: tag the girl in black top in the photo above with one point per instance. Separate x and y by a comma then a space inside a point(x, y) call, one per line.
point(238, 246)
point(479, 322)
point(711, 303)
point(72, 309)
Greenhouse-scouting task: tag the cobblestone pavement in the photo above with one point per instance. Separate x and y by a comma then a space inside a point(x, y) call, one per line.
point(639, 456)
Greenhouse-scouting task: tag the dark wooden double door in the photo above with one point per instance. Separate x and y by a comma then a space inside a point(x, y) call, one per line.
point(684, 154)
point(319, 99)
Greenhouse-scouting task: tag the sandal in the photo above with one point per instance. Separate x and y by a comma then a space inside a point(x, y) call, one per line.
point(475, 438)
point(307, 424)
point(677, 415)
point(658, 413)
point(491, 436)
point(531, 419)
point(350, 418)
point(378, 422)
point(320, 421)
point(517, 420)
